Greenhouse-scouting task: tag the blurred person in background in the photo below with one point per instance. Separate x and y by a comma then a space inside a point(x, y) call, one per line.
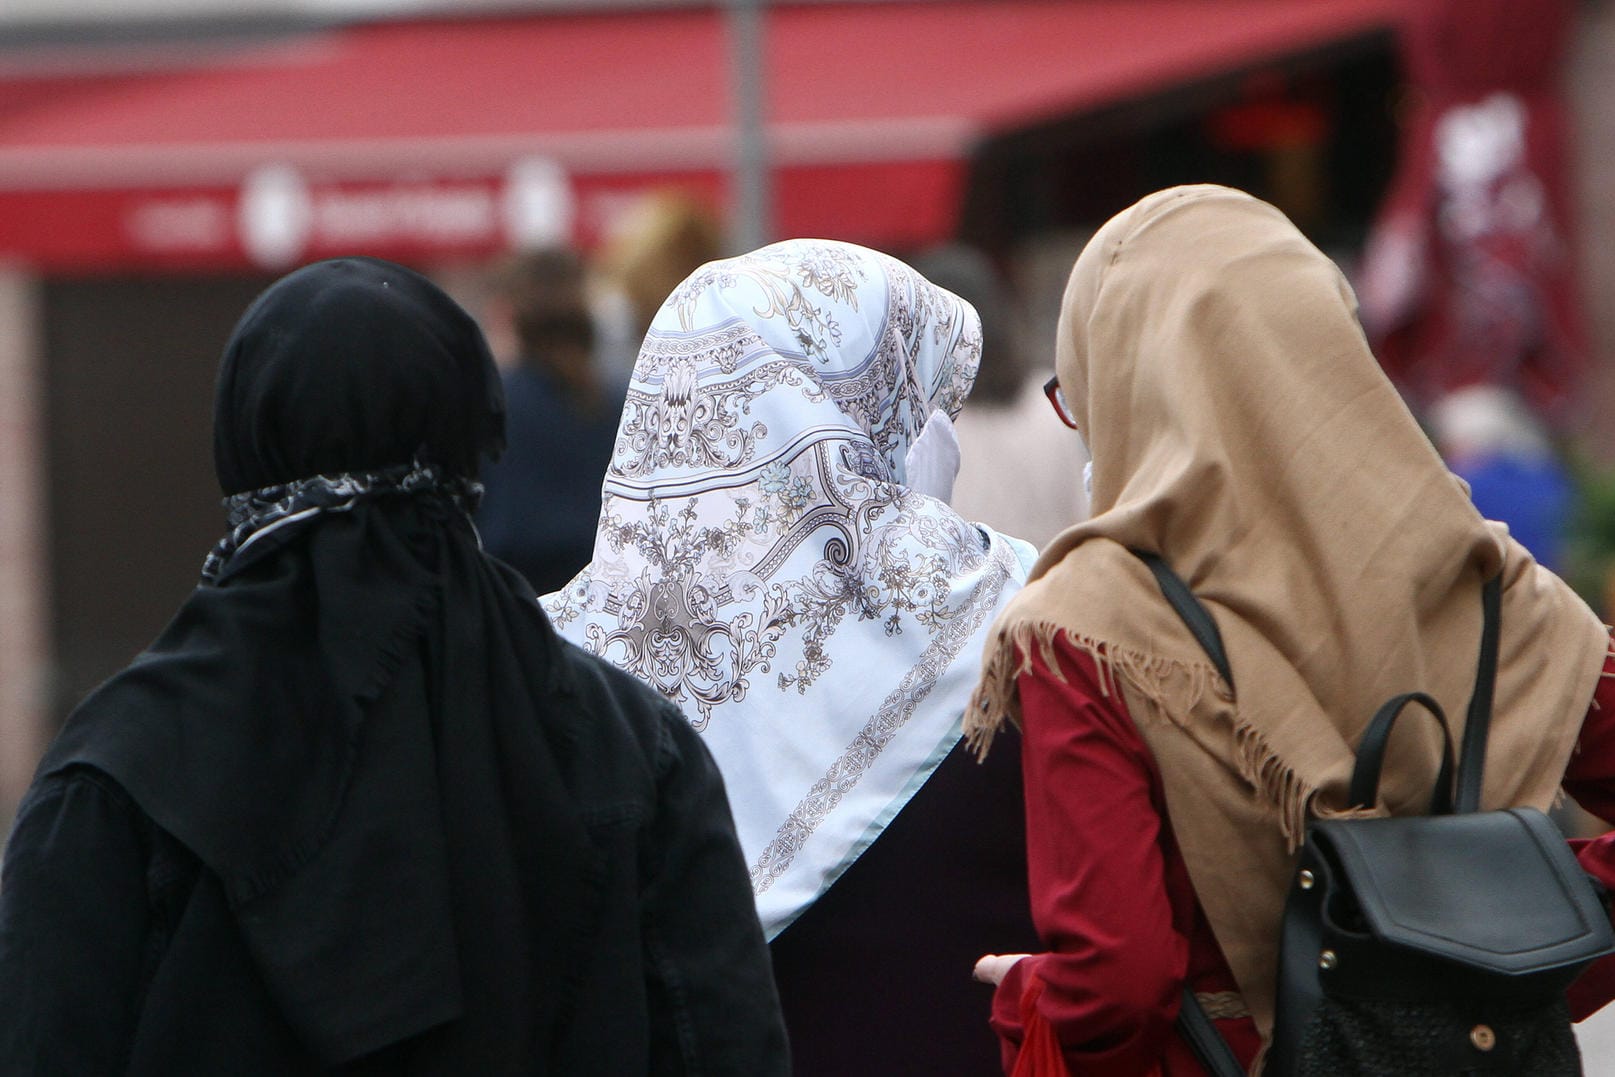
point(1005, 425)
point(661, 239)
point(777, 555)
point(1469, 274)
point(543, 494)
point(1491, 440)
point(358, 809)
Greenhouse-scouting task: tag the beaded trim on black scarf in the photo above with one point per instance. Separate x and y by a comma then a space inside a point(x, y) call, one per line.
point(255, 513)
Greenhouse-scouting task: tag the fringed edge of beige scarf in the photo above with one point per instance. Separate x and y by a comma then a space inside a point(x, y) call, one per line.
point(995, 700)
point(1223, 1005)
point(1170, 688)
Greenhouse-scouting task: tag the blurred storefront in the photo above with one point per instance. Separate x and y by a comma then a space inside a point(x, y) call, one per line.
point(456, 138)
point(148, 190)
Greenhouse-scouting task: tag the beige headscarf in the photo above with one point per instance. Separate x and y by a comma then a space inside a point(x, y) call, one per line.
point(1241, 428)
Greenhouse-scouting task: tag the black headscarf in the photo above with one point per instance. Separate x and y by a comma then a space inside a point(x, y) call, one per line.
point(350, 721)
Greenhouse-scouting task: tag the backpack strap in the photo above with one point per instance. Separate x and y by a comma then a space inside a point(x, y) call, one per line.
point(1472, 753)
point(1364, 790)
point(1193, 1023)
point(1188, 607)
point(1195, 1026)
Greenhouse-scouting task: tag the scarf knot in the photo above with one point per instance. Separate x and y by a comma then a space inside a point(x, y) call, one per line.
point(252, 514)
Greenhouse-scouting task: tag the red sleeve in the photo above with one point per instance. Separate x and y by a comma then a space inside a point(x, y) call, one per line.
point(1590, 779)
point(1116, 965)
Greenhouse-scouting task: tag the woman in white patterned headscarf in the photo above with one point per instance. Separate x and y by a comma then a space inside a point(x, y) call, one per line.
point(776, 554)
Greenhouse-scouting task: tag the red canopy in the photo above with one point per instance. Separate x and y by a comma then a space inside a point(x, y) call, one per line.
point(440, 138)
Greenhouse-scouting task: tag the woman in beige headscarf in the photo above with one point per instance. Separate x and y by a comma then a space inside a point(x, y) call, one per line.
point(1241, 429)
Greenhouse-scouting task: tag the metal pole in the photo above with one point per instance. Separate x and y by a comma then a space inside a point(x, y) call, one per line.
point(751, 223)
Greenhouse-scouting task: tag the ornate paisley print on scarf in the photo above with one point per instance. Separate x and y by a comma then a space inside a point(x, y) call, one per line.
point(761, 561)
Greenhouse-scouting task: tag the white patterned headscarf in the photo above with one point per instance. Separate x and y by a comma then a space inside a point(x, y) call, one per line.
point(762, 562)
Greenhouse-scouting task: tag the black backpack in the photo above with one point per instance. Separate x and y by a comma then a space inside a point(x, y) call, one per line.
point(1426, 946)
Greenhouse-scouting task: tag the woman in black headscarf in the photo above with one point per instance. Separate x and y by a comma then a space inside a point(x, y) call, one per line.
point(358, 809)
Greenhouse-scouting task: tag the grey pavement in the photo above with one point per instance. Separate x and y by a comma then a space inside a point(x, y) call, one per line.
point(1597, 1038)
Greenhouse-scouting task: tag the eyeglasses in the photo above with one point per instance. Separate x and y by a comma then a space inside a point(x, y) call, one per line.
point(1051, 389)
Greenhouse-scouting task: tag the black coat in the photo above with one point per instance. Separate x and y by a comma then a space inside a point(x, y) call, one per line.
point(119, 951)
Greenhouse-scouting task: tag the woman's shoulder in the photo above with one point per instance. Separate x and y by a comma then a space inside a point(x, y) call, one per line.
point(79, 809)
point(619, 712)
point(1077, 573)
point(595, 680)
point(81, 786)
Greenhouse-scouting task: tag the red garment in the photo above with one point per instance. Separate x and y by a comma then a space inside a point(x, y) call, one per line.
point(1116, 908)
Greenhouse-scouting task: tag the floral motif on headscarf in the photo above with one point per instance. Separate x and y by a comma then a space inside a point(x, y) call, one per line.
point(761, 560)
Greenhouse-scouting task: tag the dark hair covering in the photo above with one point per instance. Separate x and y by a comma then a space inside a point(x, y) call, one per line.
point(350, 365)
point(545, 288)
point(362, 700)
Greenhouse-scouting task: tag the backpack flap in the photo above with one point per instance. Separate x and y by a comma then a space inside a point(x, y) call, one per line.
point(1495, 892)
point(1434, 945)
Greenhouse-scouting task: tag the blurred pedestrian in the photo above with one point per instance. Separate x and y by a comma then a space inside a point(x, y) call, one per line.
point(1470, 273)
point(663, 237)
point(1005, 423)
point(358, 809)
point(777, 555)
point(1241, 430)
point(1493, 442)
point(543, 494)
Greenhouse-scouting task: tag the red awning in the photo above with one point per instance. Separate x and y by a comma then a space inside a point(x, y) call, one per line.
point(462, 137)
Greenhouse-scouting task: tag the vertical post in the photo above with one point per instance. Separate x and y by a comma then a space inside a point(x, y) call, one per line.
point(751, 223)
point(24, 591)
